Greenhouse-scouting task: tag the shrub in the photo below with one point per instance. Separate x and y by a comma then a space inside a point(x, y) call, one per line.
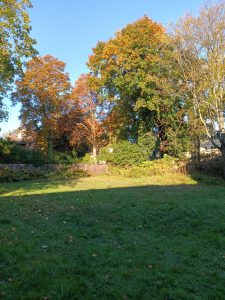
point(123, 154)
point(147, 168)
point(147, 142)
point(179, 142)
point(87, 159)
point(68, 172)
point(8, 175)
point(12, 153)
point(65, 157)
point(207, 179)
point(211, 166)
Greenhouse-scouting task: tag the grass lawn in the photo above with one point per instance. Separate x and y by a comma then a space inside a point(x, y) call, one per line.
point(112, 238)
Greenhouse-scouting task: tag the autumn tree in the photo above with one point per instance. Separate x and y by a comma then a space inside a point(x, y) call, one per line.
point(88, 117)
point(16, 45)
point(127, 71)
point(200, 51)
point(116, 124)
point(43, 93)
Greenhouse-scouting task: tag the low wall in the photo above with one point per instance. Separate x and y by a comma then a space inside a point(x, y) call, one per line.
point(92, 169)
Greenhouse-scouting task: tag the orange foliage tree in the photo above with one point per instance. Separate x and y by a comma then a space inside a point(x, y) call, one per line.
point(124, 71)
point(129, 71)
point(88, 116)
point(43, 93)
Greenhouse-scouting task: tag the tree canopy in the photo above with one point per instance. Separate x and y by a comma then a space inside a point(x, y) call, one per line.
point(16, 44)
point(128, 72)
point(43, 93)
point(88, 117)
point(199, 44)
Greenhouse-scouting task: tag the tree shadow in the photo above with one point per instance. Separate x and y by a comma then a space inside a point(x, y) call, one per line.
point(137, 241)
point(110, 242)
point(64, 186)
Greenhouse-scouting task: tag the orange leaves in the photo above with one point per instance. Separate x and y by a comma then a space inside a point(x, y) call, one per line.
point(128, 56)
point(129, 68)
point(43, 94)
point(88, 129)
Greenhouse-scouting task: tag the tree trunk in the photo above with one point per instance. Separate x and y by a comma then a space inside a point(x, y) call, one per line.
point(198, 153)
point(50, 147)
point(222, 141)
point(223, 160)
point(94, 152)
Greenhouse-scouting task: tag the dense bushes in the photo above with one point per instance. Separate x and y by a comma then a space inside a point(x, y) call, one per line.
point(147, 168)
point(211, 166)
point(86, 159)
point(68, 172)
point(123, 154)
point(147, 143)
point(65, 157)
point(12, 153)
point(179, 143)
point(8, 175)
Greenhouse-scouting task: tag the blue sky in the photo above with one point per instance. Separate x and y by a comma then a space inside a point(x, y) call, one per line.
point(69, 29)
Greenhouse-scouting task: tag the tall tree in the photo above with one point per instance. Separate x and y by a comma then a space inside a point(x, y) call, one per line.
point(88, 117)
point(43, 93)
point(127, 72)
point(15, 43)
point(200, 52)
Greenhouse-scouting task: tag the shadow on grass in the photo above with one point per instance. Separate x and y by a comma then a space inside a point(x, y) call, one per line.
point(137, 242)
point(105, 182)
point(56, 186)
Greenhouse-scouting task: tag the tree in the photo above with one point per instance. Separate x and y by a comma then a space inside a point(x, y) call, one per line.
point(43, 93)
point(127, 72)
point(15, 43)
point(88, 116)
point(200, 49)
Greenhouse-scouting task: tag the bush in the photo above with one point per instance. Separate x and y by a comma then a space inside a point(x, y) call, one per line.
point(211, 166)
point(147, 168)
point(147, 142)
point(69, 173)
point(9, 175)
point(65, 157)
point(179, 142)
point(208, 180)
point(123, 154)
point(87, 159)
point(12, 153)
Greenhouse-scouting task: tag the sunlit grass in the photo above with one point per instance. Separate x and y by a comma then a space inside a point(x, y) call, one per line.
point(98, 182)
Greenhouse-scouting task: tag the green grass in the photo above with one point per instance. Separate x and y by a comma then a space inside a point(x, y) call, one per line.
point(112, 238)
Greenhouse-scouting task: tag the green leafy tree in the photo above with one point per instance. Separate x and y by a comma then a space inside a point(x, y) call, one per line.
point(15, 43)
point(200, 47)
point(128, 71)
